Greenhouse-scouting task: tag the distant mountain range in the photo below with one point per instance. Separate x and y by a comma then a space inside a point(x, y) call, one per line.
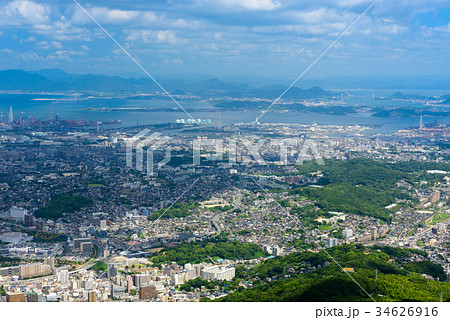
point(55, 80)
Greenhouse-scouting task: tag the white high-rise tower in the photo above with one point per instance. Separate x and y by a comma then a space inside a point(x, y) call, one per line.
point(11, 117)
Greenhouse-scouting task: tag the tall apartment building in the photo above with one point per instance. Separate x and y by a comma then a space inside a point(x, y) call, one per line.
point(373, 233)
point(347, 233)
point(63, 276)
point(112, 270)
point(140, 280)
point(33, 270)
point(434, 197)
point(441, 227)
point(331, 242)
point(117, 291)
point(50, 262)
point(77, 243)
point(29, 220)
point(383, 230)
point(86, 247)
point(218, 273)
point(32, 297)
point(148, 292)
point(15, 297)
point(18, 213)
point(92, 296)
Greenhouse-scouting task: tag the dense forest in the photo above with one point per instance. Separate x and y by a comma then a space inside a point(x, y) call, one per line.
point(362, 186)
point(63, 203)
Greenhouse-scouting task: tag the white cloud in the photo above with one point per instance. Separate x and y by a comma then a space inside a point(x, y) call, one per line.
point(6, 50)
point(166, 36)
point(62, 30)
point(262, 5)
point(23, 11)
point(173, 61)
point(57, 44)
point(320, 15)
point(180, 23)
point(148, 36)
point(351, 3)
point(393, 29)
point(149, 17)
point(445, 29)
point(111, 16)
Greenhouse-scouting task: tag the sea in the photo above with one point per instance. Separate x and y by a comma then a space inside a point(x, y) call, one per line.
point(70, 108)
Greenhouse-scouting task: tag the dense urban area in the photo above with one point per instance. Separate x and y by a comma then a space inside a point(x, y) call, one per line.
point(243, 212)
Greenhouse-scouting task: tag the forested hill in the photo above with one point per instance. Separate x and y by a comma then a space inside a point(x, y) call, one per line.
point(362, 186)
point(386, 273)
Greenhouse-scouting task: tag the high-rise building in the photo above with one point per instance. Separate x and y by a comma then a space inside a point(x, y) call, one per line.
point(383, 230)
point(18, 213)
point(441, 227)
point(15, 297)
point(148, 292)
point(140, 280)
point(11, 117)
point(117, 291)
point(33, 270)
point(9, 271)
point(86, 247)
point(347, 233)
point(32, 297)
point(198, 269)
point(332, 242)
point(29, 220)
point(276, 251)
point(373, 233)
point(63, 276)
point(176, 279)
point(435, 197)
point(112, 270)
point(129, 284)
point(218, 273)
point(92, 296)
point(88, 284)
point(50, 261)
point(77, 243)
point(74, 284)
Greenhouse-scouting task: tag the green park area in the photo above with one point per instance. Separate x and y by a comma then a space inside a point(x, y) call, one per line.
point(440, 217)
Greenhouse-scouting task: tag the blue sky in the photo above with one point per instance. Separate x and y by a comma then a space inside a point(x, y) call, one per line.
point(218, 37)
